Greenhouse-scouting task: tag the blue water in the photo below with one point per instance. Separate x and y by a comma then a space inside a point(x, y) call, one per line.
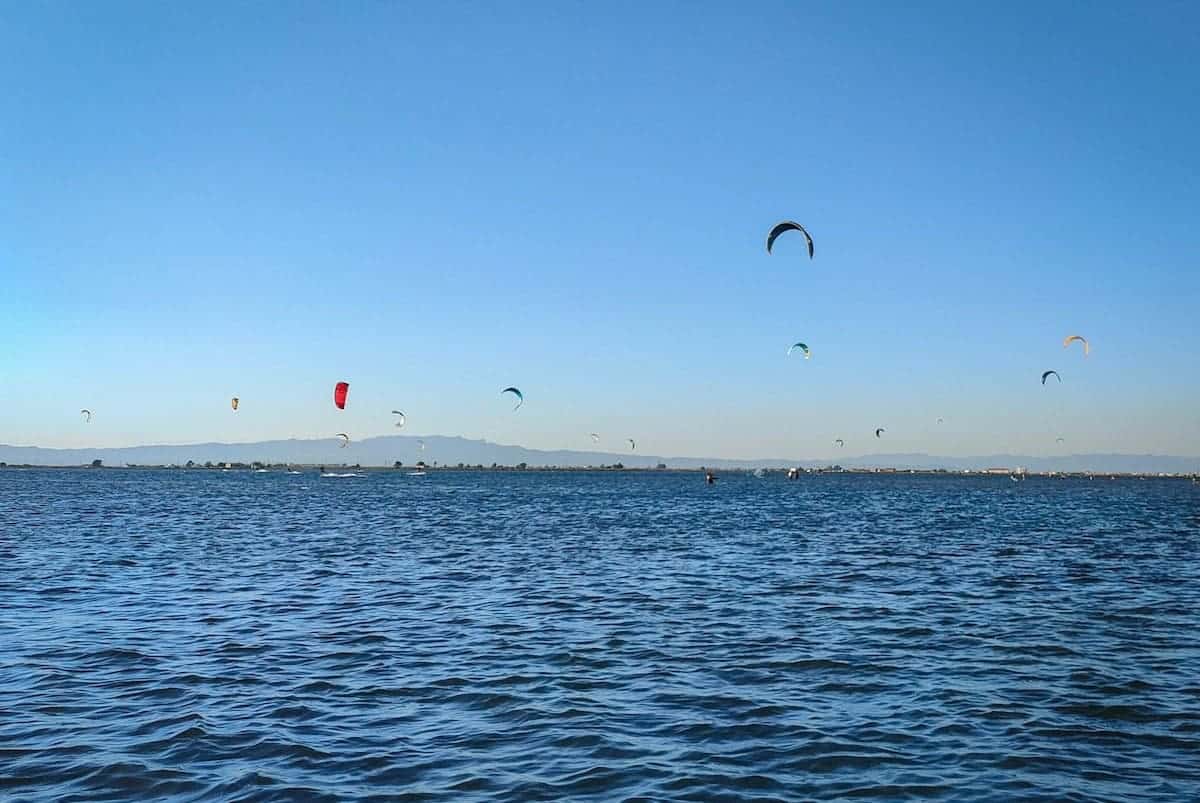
point(609, 636)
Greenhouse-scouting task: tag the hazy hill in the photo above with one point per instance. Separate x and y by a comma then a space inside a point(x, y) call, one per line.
point(383, 451)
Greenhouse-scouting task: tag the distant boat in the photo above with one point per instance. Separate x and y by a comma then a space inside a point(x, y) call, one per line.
point(416, 473)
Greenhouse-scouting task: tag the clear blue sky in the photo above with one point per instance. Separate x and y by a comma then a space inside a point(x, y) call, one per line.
point(433, 201)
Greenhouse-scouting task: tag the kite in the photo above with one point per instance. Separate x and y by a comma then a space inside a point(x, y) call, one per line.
point(788, 225)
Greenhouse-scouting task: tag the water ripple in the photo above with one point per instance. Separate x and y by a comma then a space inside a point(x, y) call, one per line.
point(199, 636)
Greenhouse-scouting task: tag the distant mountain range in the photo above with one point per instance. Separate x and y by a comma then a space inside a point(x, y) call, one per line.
point(385, 450)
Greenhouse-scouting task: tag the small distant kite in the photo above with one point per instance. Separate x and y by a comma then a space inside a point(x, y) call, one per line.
point(595, 438)
point(1058, 440)
point(421, 445)
point(1086, 348)
point(400, 420)
point(1046, 375)
point(839, 441)
point(879, 432)
point(800, 346)
point(632, 444)
point(344, 440)
point(788, 225)
point(940, 419)
point(87, 416)
point(234, 402)
point(340, 390)
point(516, 392)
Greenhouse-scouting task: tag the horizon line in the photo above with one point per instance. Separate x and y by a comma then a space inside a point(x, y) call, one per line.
point(644, 455)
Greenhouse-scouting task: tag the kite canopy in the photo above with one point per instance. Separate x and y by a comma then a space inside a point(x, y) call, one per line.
point(879, 432)
point(595, 438)
point(839, 441)
point(800, 346)
point(87, 415)
point(516, 392)
point(345, 440)
point(1046, 374)
point(233, 402)
point(339, 394)
point(1086, 348)
point(400, 420)
point(632, 445)
point(788, 225)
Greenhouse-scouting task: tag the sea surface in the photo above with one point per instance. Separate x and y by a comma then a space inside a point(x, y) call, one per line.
point(205, 635)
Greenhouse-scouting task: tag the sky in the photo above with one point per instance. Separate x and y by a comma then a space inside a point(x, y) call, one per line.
point(433, 201)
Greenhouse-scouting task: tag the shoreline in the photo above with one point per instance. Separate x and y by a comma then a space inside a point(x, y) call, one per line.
point(275, 468)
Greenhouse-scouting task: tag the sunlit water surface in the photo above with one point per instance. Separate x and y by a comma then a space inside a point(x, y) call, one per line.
point(197, 635)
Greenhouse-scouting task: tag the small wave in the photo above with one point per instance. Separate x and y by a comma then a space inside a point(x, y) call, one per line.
point(544, 636)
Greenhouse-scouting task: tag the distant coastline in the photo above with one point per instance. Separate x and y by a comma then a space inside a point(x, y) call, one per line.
point(442, 452)
point(995, 472)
